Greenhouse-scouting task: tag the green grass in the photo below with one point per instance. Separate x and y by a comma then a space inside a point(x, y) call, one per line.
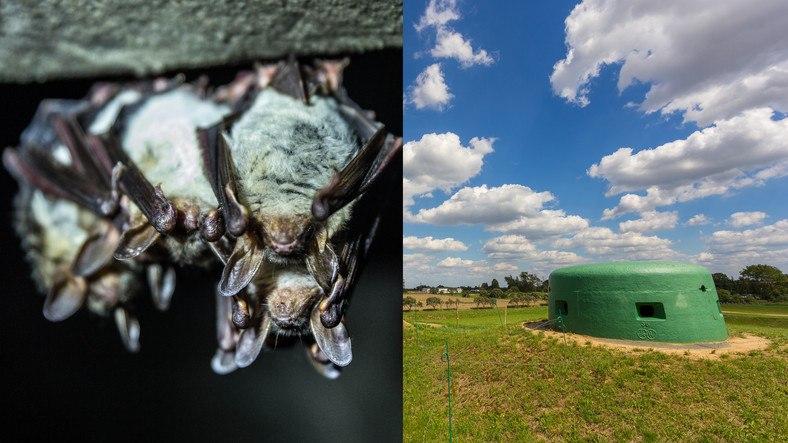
point(758, 308)
point(509, 384)
point(478, 318)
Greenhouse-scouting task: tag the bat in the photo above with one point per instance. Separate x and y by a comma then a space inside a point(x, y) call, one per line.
point(258, 177)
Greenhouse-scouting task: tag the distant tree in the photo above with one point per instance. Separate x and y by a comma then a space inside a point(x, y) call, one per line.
point(767, 282)
point(409, 302)
point(484, 293)
point(722, 281)
point(725, 296)
point(494, 284)
point(433, 302)
point(419, 304)
point(496, 293)
point(485, 285)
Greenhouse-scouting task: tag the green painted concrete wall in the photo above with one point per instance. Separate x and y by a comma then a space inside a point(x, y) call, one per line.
point(646, 301)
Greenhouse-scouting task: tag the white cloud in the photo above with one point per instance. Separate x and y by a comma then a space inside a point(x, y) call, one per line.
point(519, 248)
point(698, 220)
point(742, 219)
point(438, 13)
point(448, 42)
point(508, 208)
point(706, 59)
point(505, 267)
point(731, 263)
point(451, 44)
point(430, 90)
point(453, 262)
point(453, 271)
point(603, 242)
point(433, 244)
point(440, 161)
point(416, 263)
point(745, 150)
point(650, 221)
point(758, 239)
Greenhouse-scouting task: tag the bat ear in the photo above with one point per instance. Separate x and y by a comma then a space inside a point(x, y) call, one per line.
point(65, 298)
point(96, 252)
point(223, 361)
point(251, 341)
point(135, 240)
point(242, 265)
point(162, 285)
point(334, 342)
point(129, 329)
point(322, 364)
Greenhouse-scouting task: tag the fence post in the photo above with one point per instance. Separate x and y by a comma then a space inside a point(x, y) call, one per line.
point(458, 314)
point(448, 372)
point(505, 313)
point(561, 320)
point(416, 323)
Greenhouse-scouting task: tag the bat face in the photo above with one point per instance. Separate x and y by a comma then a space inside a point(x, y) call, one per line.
point(258, 176)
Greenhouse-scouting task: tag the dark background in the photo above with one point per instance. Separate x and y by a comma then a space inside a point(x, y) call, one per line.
point(74, 378)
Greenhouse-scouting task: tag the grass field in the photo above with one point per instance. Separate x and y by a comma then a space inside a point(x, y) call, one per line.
point(510, 384)
point(774, 308)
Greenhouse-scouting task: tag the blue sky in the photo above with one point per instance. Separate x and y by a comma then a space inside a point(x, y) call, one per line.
point(540, 135)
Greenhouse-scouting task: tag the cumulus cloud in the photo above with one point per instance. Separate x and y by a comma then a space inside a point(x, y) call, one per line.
point(603, 242)
point(452, 262)
point(742, 219)
point(422, 268)
point(440, 161)
point(691, 53)
point(757, 239)
point(508, 208)
point(698, 220)
point(448, 42)
point(433, 244)
point(438, 13)
point(650, 221)
point(416, 263)
point(451, 44)
point(732, 262)
point(519, 248)
point(745, 150)
point(430, 90)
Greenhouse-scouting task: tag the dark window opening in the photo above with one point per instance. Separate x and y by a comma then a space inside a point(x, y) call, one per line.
point(650, 311)
point(561, 308)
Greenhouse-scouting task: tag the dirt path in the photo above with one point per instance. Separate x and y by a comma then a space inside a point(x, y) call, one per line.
point(712, 351)
point(409, 325)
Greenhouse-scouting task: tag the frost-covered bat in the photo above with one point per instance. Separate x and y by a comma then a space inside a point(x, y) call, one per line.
point(258, 176)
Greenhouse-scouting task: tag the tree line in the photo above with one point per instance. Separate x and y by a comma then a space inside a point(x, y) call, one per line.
point(762, 282)
point(755, 282)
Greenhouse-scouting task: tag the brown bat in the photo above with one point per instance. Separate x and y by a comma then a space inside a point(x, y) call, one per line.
point(259, 176)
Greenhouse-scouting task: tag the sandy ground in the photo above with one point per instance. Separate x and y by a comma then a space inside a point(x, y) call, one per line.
point(712, 351)
point(410, 325)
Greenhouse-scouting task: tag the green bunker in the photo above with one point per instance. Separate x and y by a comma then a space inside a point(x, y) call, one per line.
point(646, 301)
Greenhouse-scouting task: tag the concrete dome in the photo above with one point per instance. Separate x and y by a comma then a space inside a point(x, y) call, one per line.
point(646, 301)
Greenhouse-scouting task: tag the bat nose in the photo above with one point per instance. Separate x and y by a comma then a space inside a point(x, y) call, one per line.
point(283, 248)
